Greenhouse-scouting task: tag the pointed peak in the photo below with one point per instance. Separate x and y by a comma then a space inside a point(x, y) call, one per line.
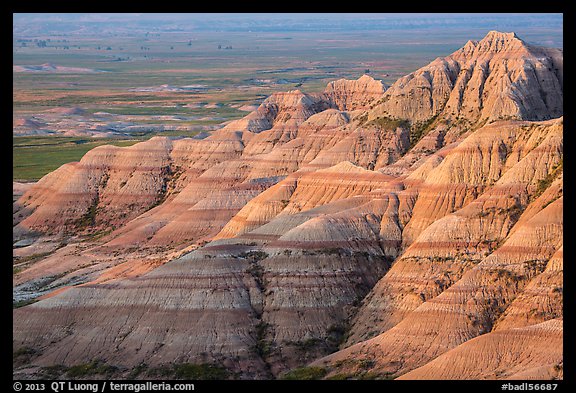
point(292, 98)
point(439, 61)
point(366, 77)
point(500, 34)
point(494, 35)
point(471, 44)
point(295, 92)
point(345, 167)
point(292, 95)
point(495, 42)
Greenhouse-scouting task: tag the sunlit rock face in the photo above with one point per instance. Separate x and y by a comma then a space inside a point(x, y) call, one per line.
point(410, 232)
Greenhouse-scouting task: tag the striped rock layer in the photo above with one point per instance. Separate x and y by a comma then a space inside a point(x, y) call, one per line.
point(410, 232)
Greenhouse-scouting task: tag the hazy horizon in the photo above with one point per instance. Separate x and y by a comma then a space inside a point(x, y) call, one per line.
point(544, 29)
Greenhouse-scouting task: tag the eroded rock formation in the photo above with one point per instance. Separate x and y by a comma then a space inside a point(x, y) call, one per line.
point(412, 232)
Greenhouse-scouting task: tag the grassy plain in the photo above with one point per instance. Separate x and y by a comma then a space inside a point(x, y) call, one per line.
point(203, 85)
point(36, 156)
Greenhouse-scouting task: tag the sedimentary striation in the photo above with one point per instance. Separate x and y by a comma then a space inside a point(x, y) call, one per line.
point(411, 231)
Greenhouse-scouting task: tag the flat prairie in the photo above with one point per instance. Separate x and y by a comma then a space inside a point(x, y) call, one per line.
point(178, 84)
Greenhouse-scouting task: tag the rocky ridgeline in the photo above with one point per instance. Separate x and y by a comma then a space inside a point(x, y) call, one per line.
point(406, 232)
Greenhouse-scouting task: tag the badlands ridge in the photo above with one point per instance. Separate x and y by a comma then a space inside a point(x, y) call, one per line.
point(411, 231)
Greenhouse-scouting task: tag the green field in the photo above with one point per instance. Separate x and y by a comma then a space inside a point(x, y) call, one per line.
point(36, 156)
